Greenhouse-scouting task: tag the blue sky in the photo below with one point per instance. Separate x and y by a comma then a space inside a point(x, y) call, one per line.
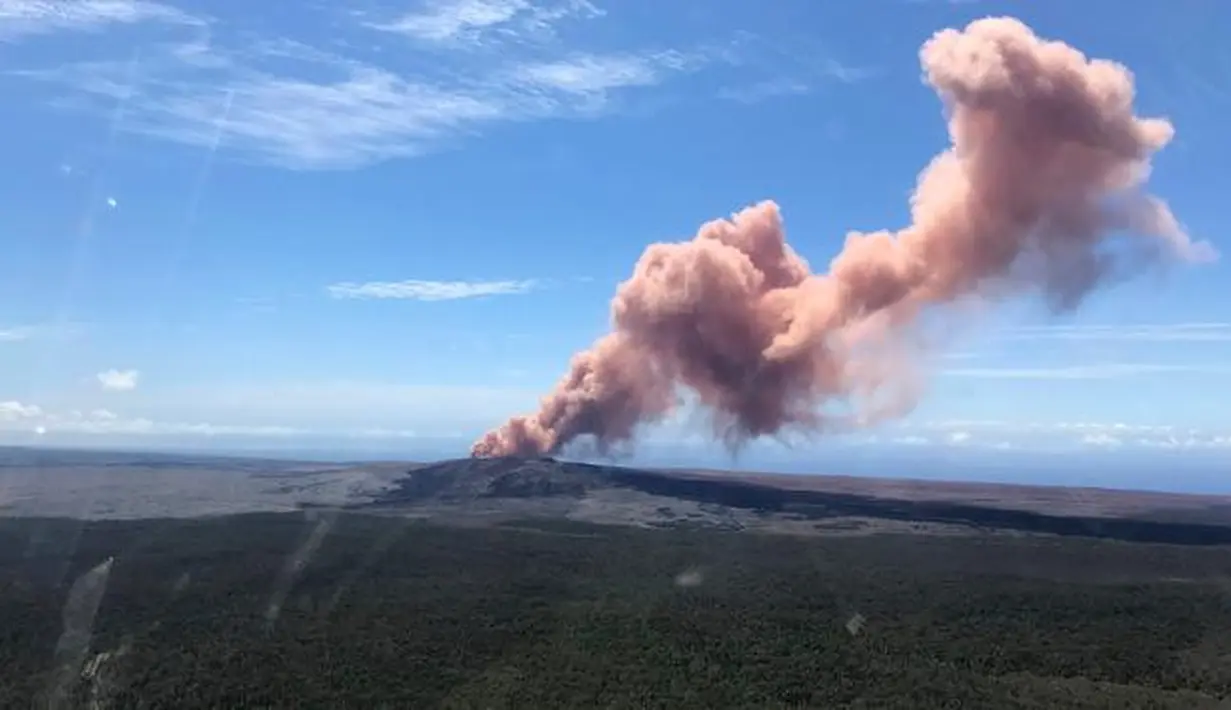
point(235, 223)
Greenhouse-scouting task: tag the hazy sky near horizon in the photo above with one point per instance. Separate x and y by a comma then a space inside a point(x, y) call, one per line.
point(395, 221)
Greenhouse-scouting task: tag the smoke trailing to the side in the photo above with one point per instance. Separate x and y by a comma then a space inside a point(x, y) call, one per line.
point(1047, 162)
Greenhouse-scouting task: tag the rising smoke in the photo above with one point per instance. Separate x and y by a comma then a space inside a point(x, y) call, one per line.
point(1047, 162)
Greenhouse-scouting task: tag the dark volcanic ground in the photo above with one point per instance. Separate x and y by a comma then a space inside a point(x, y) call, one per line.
point(81, 484)
point(666, 496)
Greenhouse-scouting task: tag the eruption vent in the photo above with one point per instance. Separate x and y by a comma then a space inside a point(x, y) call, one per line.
point(1047, 160)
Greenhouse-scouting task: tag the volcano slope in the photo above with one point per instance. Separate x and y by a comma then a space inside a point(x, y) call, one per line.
point(477, 491)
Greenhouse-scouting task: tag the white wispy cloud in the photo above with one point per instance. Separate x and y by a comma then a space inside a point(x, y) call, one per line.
point(1102, 439)
point(118, 380)
point(1216, 332)
point(429, 290)
point(790, 66)
point(12, 411)
point(475, 22)
point(845, 73)
point(592, 74)
point(1036, 435)
point(1186, 443)
point(347, 405)
point(336, 115)
point(21, 18)
point(146, 427)
point(759, 91)
point(333, 410)
point(289, 103)
point(1043, 427)
point(1104, 371)
point(455, 19)
point(31, 418)
point(23, 333)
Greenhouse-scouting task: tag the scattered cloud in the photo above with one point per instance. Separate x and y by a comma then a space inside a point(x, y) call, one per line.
point(16, 411)
point(285, 102)
point(14, 335)
point(1216, 332)
point(430, 290)
point(335, 115)
point(1009, 427)
point(845, 73)
point(22, 18)
point(1101, 439)
point(371, 412)
point(760, 91)
point(461, 23)
point(118, 380)
point(787, 67)
point(380, 433)
point(343, 114)
point(1188, 442)
point(589, 74)
point(316, 411)
point(454, 20)
point(349, 404)
point(334, 410)
point(1042, 436)
point(15, 416)
point(1082, 372)
point(24, 333)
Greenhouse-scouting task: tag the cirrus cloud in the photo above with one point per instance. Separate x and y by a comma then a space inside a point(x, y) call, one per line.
point(481, 22)
point(21, 18)
point(419, 290)
point(118, 380)
point(333, 100)
point(1207, 332)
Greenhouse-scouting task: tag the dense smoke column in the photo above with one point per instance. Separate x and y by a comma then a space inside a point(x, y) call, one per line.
point(1047, 161)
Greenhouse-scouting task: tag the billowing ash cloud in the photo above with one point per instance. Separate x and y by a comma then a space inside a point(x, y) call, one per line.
point(1047, 162)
